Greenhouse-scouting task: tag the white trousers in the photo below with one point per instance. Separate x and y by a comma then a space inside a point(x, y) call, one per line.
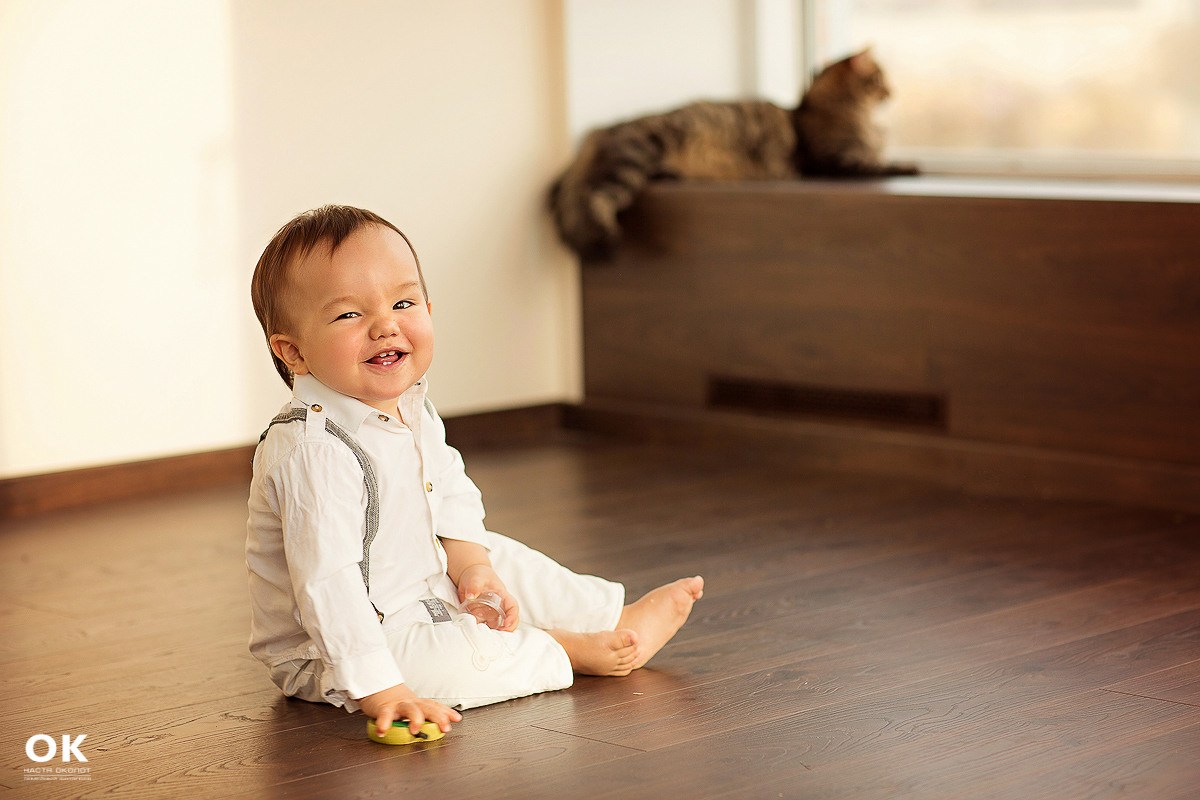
point(464, 664)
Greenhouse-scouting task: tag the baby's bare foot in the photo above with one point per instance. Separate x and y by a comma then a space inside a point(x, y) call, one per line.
point(605, 653)
point(659, 613)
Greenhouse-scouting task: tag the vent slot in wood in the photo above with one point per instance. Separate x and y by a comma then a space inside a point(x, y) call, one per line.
point(823, 402)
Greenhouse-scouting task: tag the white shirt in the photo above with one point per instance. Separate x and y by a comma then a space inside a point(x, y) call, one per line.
point(306, 527)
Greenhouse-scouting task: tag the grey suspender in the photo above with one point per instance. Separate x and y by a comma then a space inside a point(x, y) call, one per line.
point(370, 483)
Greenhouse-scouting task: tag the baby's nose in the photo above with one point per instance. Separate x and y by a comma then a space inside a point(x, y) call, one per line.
point(384, 327)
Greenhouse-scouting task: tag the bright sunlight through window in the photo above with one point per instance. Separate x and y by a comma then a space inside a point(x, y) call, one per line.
point(1074, 86)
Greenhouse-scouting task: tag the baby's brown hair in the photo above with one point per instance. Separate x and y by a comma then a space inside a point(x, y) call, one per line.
point(296, 239)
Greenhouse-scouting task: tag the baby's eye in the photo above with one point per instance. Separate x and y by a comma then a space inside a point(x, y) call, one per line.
point(347, 315)
point(403, 304)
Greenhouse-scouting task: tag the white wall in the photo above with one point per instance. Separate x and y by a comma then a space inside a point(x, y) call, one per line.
point(448, 119)
point(149, 150)
point(626, 58)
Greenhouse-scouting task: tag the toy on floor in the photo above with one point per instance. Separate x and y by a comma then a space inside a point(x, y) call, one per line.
point(399, 733)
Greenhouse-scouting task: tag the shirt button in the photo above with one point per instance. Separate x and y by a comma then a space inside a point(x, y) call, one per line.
point(384, 418)
point(317, 407)
point(429, 487)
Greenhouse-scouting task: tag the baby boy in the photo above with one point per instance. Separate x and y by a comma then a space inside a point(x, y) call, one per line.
point(365, 534)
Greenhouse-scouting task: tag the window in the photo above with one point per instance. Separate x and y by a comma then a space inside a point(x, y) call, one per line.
point(1066, 86)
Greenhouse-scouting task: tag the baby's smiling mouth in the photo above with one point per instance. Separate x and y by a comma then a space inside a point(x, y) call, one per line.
point(386, 358)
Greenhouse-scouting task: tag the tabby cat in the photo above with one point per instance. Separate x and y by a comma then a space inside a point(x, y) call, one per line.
point(830, 134)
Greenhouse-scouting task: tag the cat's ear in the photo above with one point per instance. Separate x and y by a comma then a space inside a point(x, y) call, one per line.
point(863, 62)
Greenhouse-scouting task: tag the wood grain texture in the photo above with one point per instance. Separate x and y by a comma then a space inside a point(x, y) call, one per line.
point(1048, 323)
point(859, 638)
point(980, 467)
point(1177, 684)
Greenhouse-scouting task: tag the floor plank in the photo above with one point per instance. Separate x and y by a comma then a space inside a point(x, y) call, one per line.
point(1178, 684)
point(858, 638)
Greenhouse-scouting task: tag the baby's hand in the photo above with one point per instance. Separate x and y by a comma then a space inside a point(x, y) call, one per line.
point(399, 702)
point(478, 579)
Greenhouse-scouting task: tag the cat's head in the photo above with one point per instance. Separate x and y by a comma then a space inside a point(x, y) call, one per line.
point(857, 78)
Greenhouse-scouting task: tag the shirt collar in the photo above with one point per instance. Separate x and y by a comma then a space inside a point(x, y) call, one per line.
point(344, 410)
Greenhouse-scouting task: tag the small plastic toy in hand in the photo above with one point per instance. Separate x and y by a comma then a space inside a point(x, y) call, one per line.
point(486, 608)
point(400, 734)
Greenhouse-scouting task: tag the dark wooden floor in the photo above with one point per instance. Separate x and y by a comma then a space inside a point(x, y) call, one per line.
point(858, 639)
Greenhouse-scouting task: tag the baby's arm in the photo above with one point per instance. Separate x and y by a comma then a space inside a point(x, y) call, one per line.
point(471, 570)
point(399, 702)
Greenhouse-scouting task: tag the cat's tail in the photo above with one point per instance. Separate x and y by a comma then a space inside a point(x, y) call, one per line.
point(608, 173)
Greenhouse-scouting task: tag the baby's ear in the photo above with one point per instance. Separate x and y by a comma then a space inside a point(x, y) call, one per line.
point(287, 350)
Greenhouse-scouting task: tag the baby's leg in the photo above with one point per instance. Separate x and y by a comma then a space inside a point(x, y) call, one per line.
point(659, 614)
point(571, 606)
point(551, 596)
point(604, 653)
point(464, 665)
point(644, 627)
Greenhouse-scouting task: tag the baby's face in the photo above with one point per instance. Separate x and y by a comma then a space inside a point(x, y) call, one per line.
point(360, 322)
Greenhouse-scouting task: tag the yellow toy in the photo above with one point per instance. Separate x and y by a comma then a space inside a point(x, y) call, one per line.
point(399, 734)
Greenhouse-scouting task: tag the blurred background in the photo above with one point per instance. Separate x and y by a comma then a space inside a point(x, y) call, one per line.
point(148, 151)
point(1088, 87)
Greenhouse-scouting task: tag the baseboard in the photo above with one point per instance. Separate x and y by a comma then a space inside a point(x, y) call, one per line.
point(27, 496)
point(31, 495)
point(971, 466)
point(505, 427)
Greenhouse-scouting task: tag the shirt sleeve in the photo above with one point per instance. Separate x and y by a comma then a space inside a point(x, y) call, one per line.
point(460, 514)
point(319, 489)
